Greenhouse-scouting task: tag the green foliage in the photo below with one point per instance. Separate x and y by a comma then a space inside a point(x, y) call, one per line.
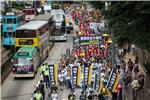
point(130, 19)
point(98, 4)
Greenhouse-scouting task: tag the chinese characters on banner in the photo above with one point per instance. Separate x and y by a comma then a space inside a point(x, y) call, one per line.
point(52, 74)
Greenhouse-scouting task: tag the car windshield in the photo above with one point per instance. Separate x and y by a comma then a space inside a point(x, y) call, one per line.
point(23, 61)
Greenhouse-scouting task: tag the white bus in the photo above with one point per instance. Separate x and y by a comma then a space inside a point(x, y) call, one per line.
point(60, 28)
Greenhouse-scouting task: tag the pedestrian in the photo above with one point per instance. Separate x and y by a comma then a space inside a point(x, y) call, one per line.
point(124, 52)
point(68, 79)
point(136, 68)
point(46, 78)
point(124, 65)
point(105, 92)
point(71, 96)
point(37, 95)
point(141, 82)
point(130, 65)
point(41, 88)
point(42, 70)
point(101, 96)
point(136, 59)
point(118, 64)
point(54, 95)
point(135, 87)
point(60, 78)
point(114, 95)
point(82, 96)
point(90, 97)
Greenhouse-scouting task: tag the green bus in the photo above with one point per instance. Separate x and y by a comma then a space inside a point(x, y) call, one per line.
point(25, 62)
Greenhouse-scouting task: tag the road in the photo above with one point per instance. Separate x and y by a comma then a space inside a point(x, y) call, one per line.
point(22, 89)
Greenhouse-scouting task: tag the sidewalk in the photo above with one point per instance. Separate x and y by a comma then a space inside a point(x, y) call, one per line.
point(128, 91)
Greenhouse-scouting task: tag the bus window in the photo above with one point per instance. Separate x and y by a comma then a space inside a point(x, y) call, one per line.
point(10, 34)
point(13, 33)
point(24, 11)
point(25, 34)
point(9, 21)
point(5, 34)
point(15, 21)
point(4, 20)
point(32, 12)
point(21, 18)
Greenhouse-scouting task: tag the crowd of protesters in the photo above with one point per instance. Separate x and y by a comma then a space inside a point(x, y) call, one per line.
point(99, 57)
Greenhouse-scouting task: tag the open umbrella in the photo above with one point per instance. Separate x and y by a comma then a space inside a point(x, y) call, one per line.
point(105, 35)
point(82, 54)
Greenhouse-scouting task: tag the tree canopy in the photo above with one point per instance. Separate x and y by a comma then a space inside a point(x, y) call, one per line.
point(130, 19)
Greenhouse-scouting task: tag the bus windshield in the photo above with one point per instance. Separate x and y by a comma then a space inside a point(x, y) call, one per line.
point(59, 31)
point(25, 34)
point(23, 62)
point(58, 18)
point(29, 12)
point(9, 20)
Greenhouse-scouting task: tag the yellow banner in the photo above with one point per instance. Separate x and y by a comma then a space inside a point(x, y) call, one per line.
point(116, 82)
point(79, 76)
point(55, 74)
point(101, 86)
point(103, 90)
point(90, 75)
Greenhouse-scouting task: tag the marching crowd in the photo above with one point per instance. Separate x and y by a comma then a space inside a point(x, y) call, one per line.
point(99, 56)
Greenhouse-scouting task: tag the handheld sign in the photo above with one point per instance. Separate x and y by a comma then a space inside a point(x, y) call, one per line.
point(97, 82)
point(53, 74)
point(74, 75)
point(112, 80)
point(87, 74)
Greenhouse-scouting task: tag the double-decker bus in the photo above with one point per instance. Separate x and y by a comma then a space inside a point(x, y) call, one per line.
point(30, 13)
point(34, 34)
point(60, 28)
point(10, 22)
point(49, 18)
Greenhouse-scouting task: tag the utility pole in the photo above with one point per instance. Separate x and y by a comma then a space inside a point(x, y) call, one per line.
point(113, 51)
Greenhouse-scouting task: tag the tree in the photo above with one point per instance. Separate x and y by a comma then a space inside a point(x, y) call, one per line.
point(130, 19)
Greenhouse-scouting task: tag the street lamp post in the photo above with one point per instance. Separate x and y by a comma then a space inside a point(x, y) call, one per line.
point(113, 51)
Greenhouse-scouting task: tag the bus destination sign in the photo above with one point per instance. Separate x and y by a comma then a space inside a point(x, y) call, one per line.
point(22, 53)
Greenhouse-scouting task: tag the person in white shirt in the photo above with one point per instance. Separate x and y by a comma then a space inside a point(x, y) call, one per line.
point(135, 87)
point(68, 79)
point(60, 78)
point(54, 95)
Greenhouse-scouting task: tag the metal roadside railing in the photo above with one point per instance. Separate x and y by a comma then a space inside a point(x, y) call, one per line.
point(7, 66)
